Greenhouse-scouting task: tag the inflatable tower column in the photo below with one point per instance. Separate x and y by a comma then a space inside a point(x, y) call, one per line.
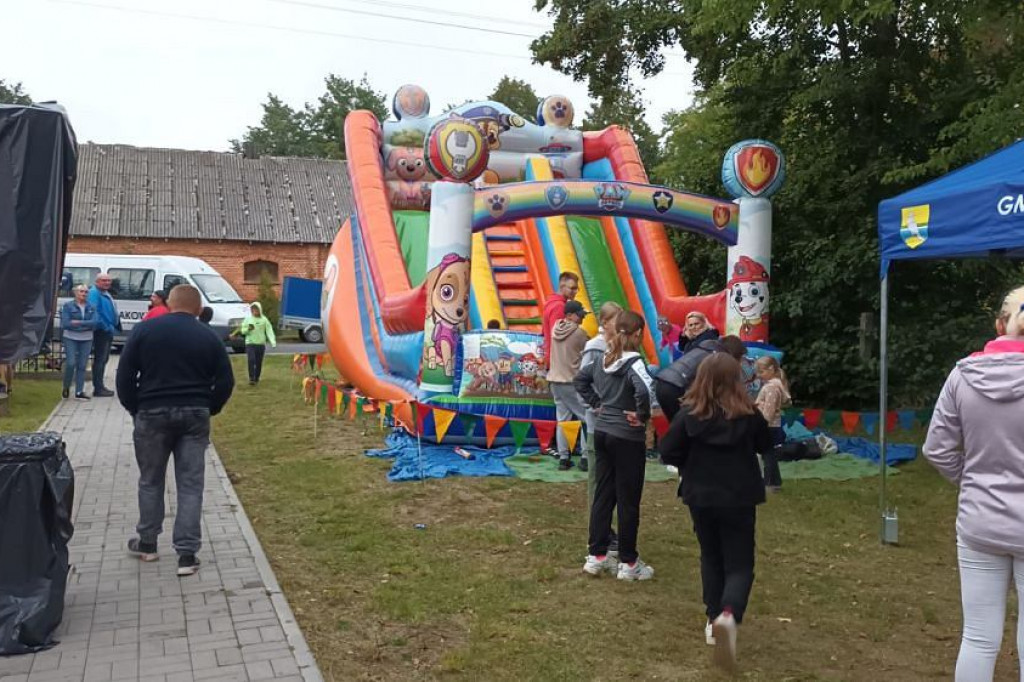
point(456, 152)
point(752, 171)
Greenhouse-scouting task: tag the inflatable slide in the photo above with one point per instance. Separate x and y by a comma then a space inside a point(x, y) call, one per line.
point(463, 223)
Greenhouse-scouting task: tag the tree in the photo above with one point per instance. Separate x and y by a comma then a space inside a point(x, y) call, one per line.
point(13, 93)
point(267, 296)
point(316, 130)
point(517, 95)
point(865, 101)
point(626, 110)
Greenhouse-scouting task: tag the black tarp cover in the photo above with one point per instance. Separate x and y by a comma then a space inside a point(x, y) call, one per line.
point(37, 488)
point(38, 162)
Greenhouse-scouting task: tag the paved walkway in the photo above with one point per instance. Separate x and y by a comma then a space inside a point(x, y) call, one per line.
point(125, 620)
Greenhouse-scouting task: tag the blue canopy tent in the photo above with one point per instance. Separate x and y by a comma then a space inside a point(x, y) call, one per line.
point(975, 211)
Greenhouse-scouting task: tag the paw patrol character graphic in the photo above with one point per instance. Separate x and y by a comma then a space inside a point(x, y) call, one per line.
point(527, 377)
point(447, 287)
point(506, 379)
point(406, 163)
point(748, 296)
point(485, 378)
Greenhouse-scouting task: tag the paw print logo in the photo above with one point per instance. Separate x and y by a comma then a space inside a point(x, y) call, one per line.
point(560, 110)
point(497, 203)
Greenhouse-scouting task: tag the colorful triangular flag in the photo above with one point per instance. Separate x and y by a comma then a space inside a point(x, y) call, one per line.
point(870, 421)
point(492, 425)
point(468, 422)
point(812, 418)
point(545, 431)
point(850, 421)
point(332, 398)
point(442, 420)
point(907, 419)
point(519, 430)
point(422, 412)
point(890, 420)
point(831, 419)
point(353, 403)
point(661, 424)
point(571, 431)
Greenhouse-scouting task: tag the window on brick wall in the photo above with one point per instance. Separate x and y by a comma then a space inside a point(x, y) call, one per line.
point(254, 270)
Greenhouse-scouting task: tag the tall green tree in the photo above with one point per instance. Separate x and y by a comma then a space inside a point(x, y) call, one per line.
point(13, 93)
point(517, 95)
point(315, 130)
point(865, 100)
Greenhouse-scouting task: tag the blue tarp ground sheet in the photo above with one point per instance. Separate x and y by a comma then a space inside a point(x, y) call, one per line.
point(440, 461)
point(858, 447)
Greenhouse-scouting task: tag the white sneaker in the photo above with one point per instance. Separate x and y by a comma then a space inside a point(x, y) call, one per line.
point(709, 635)
point(638, 571)
point(724, 632)
point(595, 566)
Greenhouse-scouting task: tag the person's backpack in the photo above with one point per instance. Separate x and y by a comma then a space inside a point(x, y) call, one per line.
point(681, 372)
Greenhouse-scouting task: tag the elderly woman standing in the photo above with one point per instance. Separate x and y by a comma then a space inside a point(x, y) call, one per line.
point(77, 322)
point(976, 440)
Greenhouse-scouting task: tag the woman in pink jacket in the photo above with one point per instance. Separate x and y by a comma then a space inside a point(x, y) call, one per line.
point(976, 440)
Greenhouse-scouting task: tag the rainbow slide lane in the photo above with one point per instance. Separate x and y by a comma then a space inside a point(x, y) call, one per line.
point(374, 275)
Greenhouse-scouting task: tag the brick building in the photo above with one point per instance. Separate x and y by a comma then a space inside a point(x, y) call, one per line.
point(240, 215)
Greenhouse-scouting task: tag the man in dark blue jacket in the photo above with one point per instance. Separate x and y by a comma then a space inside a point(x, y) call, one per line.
point(173, 376)
point(107, 323)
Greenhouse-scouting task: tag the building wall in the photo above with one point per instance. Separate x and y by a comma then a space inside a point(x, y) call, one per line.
point(226, 257)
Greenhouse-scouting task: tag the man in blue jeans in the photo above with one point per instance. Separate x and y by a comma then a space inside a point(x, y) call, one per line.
point(173, 376)
point(107, 323)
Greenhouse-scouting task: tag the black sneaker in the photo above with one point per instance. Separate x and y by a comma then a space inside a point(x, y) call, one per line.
point(584, 465)
point(81, 396)
point(564, 464)
point(65, 393)
point(146, 551)
point(103, 393)
point(188, 564)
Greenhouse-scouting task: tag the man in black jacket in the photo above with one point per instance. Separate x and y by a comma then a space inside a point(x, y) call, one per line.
point(671, 383)
point(174, 374)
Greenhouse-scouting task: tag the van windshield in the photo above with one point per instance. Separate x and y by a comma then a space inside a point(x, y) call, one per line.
point(216, 289)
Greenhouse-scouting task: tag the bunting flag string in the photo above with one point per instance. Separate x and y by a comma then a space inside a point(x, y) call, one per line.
point(339, 401)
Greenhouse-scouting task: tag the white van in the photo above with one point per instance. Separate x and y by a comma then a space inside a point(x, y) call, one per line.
point(135, 278)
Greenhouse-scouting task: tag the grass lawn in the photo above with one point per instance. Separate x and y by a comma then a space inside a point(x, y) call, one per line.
point(31, 402)
point(492, 589)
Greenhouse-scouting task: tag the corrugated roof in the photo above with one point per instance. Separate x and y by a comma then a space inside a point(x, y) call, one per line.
point(140, 192)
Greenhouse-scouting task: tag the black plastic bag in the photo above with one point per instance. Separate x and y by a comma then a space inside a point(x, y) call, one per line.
point(36, 498)
point(38, 166)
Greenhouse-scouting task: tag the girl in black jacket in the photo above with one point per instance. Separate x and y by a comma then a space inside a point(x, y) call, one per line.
point(714, 440)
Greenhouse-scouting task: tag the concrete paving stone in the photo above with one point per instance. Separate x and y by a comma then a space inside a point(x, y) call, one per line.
point(252, 653)
point(98, 672)
point(273, 633)
point(175, 646)
point(15, 665)
point(249, 636)
point(180, 677)
point(229, 656)
point(284, 667)
point(44, 660)
point(231, 673)
point(125, 670)
point(259, 670)
point(202, 660)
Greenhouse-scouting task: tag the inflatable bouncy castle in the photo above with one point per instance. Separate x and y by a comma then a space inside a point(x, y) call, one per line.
point(465, 220)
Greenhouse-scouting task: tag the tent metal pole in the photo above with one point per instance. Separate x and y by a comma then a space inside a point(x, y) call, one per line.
point(883, 400)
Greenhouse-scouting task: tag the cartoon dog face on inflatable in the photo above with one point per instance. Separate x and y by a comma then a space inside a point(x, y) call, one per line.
point(447, 287)
point(407, 163)
point(748, 296)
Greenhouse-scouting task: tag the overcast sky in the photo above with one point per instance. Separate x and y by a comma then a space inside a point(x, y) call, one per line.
point(192, 74)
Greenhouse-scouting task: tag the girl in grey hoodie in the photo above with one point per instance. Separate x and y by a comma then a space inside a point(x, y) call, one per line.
point(976, 440)
point(618, 389)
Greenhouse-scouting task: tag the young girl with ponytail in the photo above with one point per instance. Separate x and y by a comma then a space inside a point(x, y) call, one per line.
point(618, 389)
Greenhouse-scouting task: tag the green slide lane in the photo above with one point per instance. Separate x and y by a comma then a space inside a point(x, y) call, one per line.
point(596, 264)
point(413, 228)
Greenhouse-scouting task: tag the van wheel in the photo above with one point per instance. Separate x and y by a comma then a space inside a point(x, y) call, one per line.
point(313, 335)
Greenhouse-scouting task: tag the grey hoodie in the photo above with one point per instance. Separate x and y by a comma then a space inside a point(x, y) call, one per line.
point(976, 440)
point(624, 386)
